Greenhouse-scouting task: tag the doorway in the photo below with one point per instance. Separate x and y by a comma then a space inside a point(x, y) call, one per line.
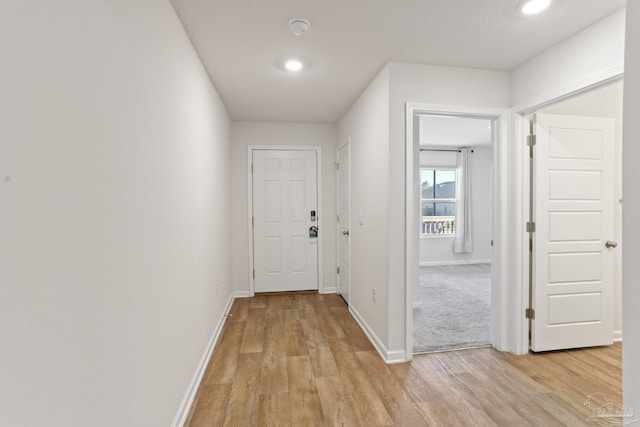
point(452, 302)
point(285, 219)
point(575, 293)
point(498, 217)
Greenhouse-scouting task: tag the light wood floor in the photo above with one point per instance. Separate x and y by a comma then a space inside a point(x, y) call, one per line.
point(301, 360)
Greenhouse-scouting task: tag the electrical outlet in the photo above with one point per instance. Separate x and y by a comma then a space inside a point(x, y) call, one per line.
point(373, 294)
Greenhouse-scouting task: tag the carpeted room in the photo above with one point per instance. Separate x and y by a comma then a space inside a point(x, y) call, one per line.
point(452, 301)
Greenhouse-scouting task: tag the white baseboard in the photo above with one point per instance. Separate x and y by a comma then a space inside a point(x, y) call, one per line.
point(617, 336)
point(454, 262)
point(397, 356)
point(328, 290)
point(388, 356)
point(190, 395)
point(242, 294)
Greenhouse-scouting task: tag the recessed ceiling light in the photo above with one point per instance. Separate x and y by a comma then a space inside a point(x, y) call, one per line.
point(293, 65)
point(531, 7)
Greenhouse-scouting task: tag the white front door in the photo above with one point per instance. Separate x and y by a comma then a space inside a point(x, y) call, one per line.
point(573, 212)
point(343, 221)
point(285, 213)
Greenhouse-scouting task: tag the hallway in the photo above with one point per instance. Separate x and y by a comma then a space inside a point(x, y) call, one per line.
point(300, 359)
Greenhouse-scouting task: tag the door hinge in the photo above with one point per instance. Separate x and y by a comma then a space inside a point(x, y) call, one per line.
point(338, 270)
point(254, 273)
point(531, 141)
point(531, 227)
point(530, 313)
point(337, 166)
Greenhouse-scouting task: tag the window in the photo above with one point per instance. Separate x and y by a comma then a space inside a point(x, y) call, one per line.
point(438, 201)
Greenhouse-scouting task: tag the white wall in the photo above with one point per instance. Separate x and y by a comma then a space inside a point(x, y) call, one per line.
point(114, 151)
point(244, 134)
point(438, 250)
point(591, 53)
point(432, 85)
point(631, 212)
point(367, 123)
point(604, 102)
point(376, 124)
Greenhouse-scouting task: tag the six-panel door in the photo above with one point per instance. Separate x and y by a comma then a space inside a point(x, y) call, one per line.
point(285, 193)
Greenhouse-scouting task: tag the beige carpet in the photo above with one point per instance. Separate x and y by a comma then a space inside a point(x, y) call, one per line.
point(456, 308)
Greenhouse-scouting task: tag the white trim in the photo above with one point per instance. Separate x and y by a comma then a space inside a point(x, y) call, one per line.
point(387, 356)
point(520, 175)
point(377, 342)
point(617, 336)
point(397, 356)
point(454, 262)
point(187, 400)
point(242, 294)
point(320, 219)
point(328, 290)
point(519, 325)
point(252, 282)
point(348, 145)
point(500, 215)
point(320, 213)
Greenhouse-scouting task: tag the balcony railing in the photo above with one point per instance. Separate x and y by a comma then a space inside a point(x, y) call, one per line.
point(438, 225)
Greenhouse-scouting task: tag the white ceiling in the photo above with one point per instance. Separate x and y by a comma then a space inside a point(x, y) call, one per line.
point(241, 43)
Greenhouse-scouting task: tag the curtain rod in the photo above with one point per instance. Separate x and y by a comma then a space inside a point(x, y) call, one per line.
point(440, 149)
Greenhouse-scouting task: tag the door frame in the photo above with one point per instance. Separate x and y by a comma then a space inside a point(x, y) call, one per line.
point(347, 143)
point(499, 215)
point(319, 214)
point(521, 176)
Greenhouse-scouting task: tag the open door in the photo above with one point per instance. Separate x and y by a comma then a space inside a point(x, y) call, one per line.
point(573, 263)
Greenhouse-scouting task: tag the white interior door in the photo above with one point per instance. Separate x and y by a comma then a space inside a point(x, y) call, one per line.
point(573, 212)
point(343, 221)
point(285, 209)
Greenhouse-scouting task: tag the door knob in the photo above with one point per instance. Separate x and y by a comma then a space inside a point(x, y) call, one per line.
point(610, 244)
point(345, 232)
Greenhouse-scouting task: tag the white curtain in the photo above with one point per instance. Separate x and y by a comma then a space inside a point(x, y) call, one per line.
point(463, 242)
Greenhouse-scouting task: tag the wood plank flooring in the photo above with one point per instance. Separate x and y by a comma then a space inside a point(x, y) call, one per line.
point(301, 360)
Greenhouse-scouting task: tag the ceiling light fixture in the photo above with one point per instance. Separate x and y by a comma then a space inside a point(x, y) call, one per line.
point(293, 65)
point(531, 7)
point(299, 26)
